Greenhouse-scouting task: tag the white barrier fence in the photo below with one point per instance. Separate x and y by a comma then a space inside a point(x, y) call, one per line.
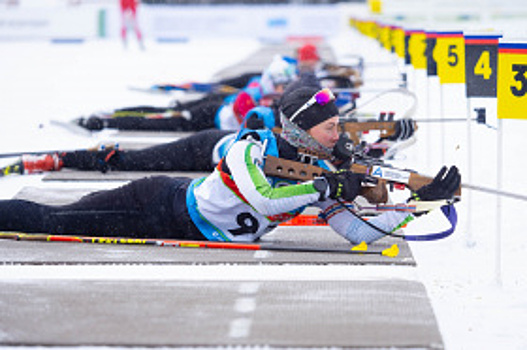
point(96, 20)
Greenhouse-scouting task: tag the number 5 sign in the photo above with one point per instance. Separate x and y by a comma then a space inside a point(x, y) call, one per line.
point(512, 81)
point(449, 54)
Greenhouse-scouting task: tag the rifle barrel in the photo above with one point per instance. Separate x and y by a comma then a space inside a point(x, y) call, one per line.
point(494, 191)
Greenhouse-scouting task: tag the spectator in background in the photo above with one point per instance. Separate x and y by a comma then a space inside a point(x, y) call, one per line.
point(328, 74)
point(129, 16)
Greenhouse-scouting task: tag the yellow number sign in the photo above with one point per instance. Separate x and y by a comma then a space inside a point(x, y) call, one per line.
point(398, 41)
point(375, 6)
point(385, 36)
point(417, 48)
point(449, 54)
point(512, 81)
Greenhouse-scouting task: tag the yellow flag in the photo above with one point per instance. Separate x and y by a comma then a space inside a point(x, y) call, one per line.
point(512, 81)
point(449, 54)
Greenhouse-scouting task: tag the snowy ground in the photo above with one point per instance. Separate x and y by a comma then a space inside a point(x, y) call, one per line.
point(479, 304)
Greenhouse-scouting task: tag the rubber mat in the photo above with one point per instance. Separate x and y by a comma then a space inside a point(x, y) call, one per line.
point(260, 59)
point(364, 314)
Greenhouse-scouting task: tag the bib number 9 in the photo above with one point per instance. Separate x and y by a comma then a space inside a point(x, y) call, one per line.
point(248, 224)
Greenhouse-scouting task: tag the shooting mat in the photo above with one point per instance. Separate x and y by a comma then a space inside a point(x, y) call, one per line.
point(261, 59)
point(366, 314)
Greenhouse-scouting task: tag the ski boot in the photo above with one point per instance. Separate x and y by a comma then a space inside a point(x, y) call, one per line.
point(16, 168)
point(31, 164)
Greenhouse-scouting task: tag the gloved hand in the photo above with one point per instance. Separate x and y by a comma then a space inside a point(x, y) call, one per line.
point(404, 129)
point(344, 184)
point(343, 151)
point(442, 187)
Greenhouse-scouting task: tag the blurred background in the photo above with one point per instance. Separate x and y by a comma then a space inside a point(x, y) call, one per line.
point(268, 20)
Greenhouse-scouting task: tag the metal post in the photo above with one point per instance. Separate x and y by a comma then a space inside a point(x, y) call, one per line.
point(499, 167)
point(468, 196)
point(442, 126)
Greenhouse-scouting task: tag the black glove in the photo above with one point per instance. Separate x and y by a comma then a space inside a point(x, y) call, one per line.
point(442, 187)
point(343, 151)
point(404, 129)
point(344, 184)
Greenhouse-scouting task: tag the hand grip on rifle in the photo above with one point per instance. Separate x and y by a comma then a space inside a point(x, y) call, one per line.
point(344, 184)
point(343, 151)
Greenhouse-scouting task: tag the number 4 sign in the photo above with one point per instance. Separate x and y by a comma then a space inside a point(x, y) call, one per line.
point(512, 81)
point(481, 65)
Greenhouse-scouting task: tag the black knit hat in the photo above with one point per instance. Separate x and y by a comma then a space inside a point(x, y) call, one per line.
point(314, 115)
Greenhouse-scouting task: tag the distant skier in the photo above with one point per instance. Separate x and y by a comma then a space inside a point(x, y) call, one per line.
point(129, 15)
point(214, 110)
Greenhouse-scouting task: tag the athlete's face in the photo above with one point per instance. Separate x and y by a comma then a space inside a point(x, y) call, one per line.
point(326, 133)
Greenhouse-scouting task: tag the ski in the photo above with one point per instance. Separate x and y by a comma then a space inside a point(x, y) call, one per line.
point(361, 249)
point(72, 127)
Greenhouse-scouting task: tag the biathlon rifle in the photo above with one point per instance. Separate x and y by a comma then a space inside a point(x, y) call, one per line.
point(196, 87)
point(373, 168)
point(354, 129)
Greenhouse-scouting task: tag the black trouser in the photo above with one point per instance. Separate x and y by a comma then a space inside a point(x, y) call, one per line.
point(202, 112)
point(153, 207)
point(239, 81)
point(192, 153)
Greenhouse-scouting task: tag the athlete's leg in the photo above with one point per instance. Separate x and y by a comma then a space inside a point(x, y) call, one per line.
point(147, 208)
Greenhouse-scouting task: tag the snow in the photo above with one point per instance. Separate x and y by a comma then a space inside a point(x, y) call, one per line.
point(479, 297)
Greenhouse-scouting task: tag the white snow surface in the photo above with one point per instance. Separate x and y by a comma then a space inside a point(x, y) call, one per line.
point(479, 297)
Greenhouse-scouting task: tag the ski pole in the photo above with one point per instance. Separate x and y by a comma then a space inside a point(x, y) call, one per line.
point(95, 148)
point(361, 249)
point(19, 154)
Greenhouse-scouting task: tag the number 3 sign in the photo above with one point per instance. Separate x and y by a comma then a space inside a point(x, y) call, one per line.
point(512, 81)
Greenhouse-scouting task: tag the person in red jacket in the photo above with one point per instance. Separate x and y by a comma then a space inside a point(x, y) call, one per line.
point(129, 16)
